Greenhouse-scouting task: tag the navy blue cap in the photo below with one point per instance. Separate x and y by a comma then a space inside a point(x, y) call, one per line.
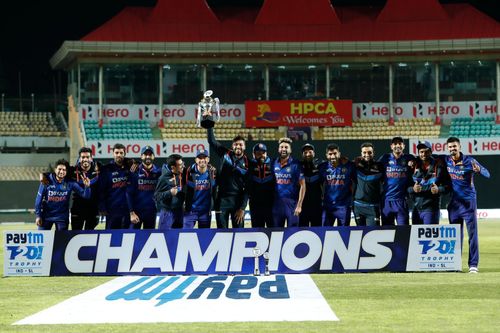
point(202, 152)
point(147, 148)
point(397, 139)
point(259, 147)
point(424, 145)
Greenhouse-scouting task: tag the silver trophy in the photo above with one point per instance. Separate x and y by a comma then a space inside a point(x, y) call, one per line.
point(208, 110)
point(256, 254)
point(266, 262)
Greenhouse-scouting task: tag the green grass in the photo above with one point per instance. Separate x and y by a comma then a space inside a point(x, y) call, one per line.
point(371, 302)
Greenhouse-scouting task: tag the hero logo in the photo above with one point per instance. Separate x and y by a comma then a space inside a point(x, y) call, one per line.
point(30, 252)
point(361, 111)
point(148, 113)
point(442, 246)
point(186, 148)
point(418, 111)
point(115, 113)
point(227, 251)
point(167, 289)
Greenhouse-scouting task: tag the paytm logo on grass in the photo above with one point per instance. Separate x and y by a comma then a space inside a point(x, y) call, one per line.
point(168, 289)
point(195, 298)
point(434, 247)
point(27, 252)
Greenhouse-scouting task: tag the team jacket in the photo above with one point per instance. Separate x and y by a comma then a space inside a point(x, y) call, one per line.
point(261, 182)
point(163, 197)
point(398, 175)
point(434, 173)
point(141, 188)
point(369, 178)
point(338, 183)
point(313, 184)
point(200, 190)
point(231, 180)
point(113, 189)
point(52, 200)
point(462, 177)
point(287, 178)
point(82, 206)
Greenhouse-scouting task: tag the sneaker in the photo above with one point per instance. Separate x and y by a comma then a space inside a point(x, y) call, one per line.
point(473, 270)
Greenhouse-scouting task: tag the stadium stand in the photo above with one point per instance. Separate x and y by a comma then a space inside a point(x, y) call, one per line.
point(481, 127)
point(224, 130)
point(21, 172)
point(30, 124)
point(379, 129)
point(118, 129)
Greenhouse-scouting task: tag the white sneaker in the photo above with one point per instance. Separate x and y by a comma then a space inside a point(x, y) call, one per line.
point(473, 270)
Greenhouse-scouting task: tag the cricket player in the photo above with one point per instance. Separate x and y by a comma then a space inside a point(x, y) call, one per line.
point(200, 189)
point(169, 195)
point(368, 187)
point(463, 203)
point(112, 190)
point(232, 195)
point(140, 191)
point(290, 187)
point(398, 177)
point(311, 214)
point(261, 186)
point(52, 200)
point(338, 175)
point(430, 181)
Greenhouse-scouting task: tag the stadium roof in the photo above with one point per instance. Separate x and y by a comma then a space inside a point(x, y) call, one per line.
point(191, 26)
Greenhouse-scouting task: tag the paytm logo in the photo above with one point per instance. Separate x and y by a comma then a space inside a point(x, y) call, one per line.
point(24, 245)
point(168, 289)
point(438, 239)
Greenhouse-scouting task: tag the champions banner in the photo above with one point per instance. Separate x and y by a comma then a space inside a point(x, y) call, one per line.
point(298, 113)
point(212, 251)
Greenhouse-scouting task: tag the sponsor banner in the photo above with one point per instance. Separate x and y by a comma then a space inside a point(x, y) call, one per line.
point(181, 299)
point(434, 248)
point(298, 113)
point(447, 110)
point(151, 112)
point(470, 146)
point(186, 148)
point(480, 214)
point(27, 253)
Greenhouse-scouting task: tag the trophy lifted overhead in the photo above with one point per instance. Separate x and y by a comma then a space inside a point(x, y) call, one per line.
point(208, 110)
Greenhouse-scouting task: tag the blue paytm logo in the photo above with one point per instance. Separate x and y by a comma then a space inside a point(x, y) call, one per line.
point(24, 244)
point(168, 289)
point(439, 239)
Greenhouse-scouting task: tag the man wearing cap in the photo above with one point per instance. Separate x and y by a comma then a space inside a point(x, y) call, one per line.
point(169, 194)
point(368, 188)
point(290, 187)
point(261, 184)
point(232, 196)
point(140, 191)
point(200, 188)
point(397, 179)
point(338, 176)
point(311, 207)
point(430, 181)
point(463, 203)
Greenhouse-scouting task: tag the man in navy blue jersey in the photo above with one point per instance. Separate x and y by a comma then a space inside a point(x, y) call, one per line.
point(169, 195)
point(430, 181)
point(398, 177)
point(312, 206)
point(463, 203)
point(338, 175)
point(113, 188)
point(140, 191)
point(368, 188)
point(199, 188)
point(290, 187)
point(261, 186)
point(52, 200)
